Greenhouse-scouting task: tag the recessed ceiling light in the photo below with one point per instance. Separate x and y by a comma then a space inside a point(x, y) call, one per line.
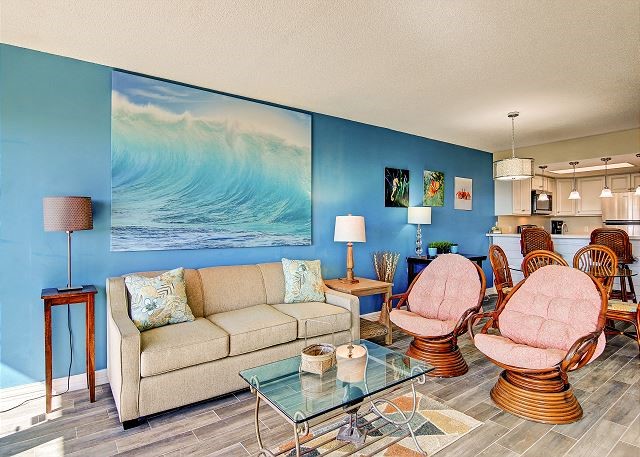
point(592, 168)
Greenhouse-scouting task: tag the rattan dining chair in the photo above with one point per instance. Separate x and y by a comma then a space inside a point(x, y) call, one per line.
point(598, 260)
point(618, 241)
point(502, 280)
point(538, 259)
point(535, 239)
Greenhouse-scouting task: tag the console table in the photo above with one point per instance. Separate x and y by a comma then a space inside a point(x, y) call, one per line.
point(53, 297)
point(414, 261)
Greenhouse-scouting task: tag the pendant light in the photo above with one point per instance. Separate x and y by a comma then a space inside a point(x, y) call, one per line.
point(543, 197)
point(606, 192)
point(513, 168)
point(574, 195)
point(638, 188)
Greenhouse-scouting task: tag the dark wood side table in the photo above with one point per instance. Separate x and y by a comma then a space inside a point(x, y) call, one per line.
point(52, 297)
point(413, 262)
point(367, 287)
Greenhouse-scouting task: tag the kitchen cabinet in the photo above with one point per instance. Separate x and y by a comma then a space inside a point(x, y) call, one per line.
point(635, 181)
point(542, 183)
point(562, 205)
point(589, 203)
point(619, 183)
point(503, 192)
point(521, 197)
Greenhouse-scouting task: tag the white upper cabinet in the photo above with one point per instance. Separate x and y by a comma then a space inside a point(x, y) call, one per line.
point(562, 205)
point(521, 198)
point(619, 183)
point(589, 203)
point(503, 191)
point(540, 183)
point(635, 181)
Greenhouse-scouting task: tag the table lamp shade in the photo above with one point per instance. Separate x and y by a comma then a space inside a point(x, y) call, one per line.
point(67, 214)
point(419, 215)
point(350, 229)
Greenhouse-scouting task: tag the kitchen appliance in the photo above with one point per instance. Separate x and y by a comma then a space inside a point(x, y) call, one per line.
point(541, 207)
point(556, 227)
point(524, 226)
point(622, 211)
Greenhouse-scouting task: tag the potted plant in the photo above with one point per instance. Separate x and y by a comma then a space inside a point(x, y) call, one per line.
point(454, 248)
point(439, 247)
point(432, 250)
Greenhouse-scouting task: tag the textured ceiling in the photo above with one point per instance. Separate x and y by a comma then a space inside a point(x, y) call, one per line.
point(449, 70)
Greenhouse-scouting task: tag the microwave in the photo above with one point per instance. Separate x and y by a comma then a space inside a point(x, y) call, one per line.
point(542, 207)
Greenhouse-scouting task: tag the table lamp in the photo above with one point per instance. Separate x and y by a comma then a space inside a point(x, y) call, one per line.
point(67, 214)
point(419, 215)
point(349, 229)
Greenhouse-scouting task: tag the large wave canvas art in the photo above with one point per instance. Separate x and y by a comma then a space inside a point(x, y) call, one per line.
point(193, 169)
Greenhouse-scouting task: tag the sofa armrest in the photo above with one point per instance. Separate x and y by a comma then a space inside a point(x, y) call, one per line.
point(123, 351)
point(349, 302)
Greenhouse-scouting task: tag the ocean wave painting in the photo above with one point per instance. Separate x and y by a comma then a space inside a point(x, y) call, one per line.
point(192, 169)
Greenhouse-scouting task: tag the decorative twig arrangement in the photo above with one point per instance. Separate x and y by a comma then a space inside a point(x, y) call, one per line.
point(385, 264)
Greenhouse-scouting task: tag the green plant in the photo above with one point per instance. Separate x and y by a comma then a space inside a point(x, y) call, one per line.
point(443, 247)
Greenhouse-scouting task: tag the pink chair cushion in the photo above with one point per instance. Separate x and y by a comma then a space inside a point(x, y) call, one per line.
point(505, 351)
point(418, 325)
point(447, 287)
point(554, 307)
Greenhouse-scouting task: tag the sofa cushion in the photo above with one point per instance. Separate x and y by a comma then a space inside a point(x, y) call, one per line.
point(507, 352)
point(181, 345)
point(273, 277)
point(158, 301)
point(229, 288)
point(255, 327)
point(418, 325)
point(322, 318)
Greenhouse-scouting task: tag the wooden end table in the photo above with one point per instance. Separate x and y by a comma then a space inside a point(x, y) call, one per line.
point(53, 297)
point(365, 287)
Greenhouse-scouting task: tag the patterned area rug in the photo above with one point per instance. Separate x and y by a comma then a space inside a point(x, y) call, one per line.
point(435, 425)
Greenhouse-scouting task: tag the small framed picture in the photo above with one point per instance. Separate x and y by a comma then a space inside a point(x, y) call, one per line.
point(396, 187)
point(463, 194)
point(433, 188)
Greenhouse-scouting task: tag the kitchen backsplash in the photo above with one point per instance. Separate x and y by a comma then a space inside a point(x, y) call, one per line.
point(575, 224)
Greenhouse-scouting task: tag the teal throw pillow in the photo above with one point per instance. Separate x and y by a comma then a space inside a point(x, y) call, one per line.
point(302, 281)
point(158, 301)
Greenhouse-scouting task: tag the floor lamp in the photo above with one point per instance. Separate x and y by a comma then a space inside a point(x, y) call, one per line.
point(67, 214)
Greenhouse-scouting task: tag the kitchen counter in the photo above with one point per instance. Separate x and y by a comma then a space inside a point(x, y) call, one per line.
point(580, 236)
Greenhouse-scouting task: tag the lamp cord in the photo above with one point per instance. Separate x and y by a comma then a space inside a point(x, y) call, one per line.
point(68, 371)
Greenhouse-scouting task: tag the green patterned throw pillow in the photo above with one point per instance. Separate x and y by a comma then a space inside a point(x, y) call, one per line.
point(302, 281)
point(158, 301)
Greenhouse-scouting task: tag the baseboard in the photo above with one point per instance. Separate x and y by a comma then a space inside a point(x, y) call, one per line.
point(76, 382)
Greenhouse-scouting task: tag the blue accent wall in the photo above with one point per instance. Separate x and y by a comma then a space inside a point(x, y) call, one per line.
point(55, 132)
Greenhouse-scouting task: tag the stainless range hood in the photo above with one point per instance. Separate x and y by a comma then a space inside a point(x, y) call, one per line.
point(622, 211)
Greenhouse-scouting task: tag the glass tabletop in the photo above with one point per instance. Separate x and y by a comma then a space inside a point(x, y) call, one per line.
point(302, 396)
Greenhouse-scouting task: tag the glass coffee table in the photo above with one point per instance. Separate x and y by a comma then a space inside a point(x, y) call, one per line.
point(367, 377)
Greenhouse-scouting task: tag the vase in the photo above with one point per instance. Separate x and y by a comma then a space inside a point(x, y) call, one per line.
point(454, 249)
point(432, 252)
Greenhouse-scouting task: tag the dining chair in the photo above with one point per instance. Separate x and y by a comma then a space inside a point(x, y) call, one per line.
point(535, 239)
point(618, 241)
point(502, 280)
point(538, 259)
point(550, 324)
point(439, 302)
point(601, 261)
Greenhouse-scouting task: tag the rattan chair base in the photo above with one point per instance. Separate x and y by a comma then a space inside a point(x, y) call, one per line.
point(441, 353)
point(540, 397)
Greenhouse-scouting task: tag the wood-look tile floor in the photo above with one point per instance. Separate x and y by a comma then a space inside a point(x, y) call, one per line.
point(608, 389)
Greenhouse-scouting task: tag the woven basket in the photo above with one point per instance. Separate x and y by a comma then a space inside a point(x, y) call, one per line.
point(318, 358)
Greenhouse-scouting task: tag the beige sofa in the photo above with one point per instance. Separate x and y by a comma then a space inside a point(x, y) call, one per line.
point(241, 322)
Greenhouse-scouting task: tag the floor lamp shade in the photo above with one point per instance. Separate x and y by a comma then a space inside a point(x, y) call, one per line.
point(67, 214)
